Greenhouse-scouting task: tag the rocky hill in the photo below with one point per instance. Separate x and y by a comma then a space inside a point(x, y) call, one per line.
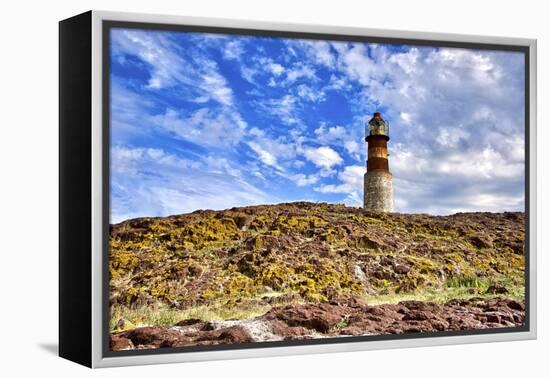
point(246, 263)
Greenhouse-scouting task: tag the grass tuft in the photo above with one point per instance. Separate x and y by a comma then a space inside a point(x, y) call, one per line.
point(164, 315)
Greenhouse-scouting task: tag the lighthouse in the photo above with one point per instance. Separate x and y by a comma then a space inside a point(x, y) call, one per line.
point(378, 187)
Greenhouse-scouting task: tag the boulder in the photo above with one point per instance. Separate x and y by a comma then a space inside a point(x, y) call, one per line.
point(121, 343)
point(496, 289)
point(401, 269)
point(481, 241)
point(320, 318)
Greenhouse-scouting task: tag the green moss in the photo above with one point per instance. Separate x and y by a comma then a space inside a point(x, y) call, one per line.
point(298, 224)
point(204, 232)
point(276, 276)
point(120, 263)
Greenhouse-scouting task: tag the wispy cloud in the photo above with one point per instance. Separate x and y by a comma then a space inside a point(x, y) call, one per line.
point(169, 67)
point(216, 127)
point(265, 156)
point(285, 108)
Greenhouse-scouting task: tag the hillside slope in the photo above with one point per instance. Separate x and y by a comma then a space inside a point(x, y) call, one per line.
point(240, 263)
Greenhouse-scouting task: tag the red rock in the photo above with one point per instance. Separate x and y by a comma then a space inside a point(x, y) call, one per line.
point(121, 343)
point(492, 318)
point(496, 289)
point(281, 328)
point(151, 336)
point(416, 315)
point(232, 335)
point(188, 322)
point(320, 317)
point(515, 305)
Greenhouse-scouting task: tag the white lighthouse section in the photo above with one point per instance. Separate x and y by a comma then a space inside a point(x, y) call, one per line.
point(378, 191)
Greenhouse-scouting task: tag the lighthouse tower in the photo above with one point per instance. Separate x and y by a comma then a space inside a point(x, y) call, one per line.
point(378, 187)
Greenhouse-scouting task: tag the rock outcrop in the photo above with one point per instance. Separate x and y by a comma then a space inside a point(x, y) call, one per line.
point(308, 321)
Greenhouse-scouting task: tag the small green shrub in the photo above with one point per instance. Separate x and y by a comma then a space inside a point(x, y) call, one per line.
point(464, 281)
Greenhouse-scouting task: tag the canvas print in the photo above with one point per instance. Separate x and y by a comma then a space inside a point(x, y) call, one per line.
point(268, 189)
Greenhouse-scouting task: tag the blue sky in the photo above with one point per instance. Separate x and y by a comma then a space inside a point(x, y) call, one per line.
point(215, 121)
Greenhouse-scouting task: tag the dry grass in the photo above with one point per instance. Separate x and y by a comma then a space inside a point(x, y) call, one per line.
point(440, 296)
point(161, 314)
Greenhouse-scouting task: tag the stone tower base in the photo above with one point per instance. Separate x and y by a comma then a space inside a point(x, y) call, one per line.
point(378, 191)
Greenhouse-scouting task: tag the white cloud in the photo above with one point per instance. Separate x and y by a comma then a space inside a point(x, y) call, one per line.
point(323, 157)
point(451, 137)
point(222, 165)
point(301, 179)
point(300, 71)
point(307, 93)
point(216, 85)
point(323, 53)
point(407, 61)
point(125, 160)
point(152, 49)
point(233, 50)
point(494, 201)
point(217, 127)
point(265, 156)
point(341, 136)
point(298, 164)
point(276, 152)
point(351, 185)
point(338, 83)
point(285, 108)
point(305, 180)
point(317, 52)
point(275, 68)
point(330, 134)
point(128, 110)
point(249, 73)
point(357, 64)
point(406, 117)
point(257, 66)
point(353, 148)
point(488, 164)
